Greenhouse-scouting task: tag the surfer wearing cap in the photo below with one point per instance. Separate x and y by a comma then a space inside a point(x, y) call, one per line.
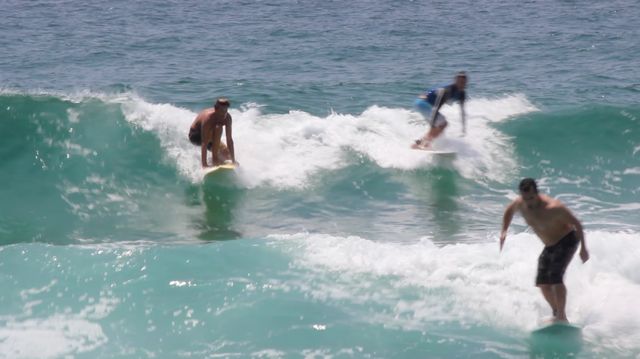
point(429, 104)
point(206, 132)
point(559, 230)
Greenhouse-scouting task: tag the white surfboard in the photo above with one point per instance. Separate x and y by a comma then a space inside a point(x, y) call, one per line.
point(438, 153)
point(556, 340)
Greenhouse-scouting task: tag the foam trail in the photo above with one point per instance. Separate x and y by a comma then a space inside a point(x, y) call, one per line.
point(420, 285)
point(287, 150)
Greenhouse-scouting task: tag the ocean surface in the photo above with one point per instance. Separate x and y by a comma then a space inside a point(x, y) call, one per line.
point(333, 239)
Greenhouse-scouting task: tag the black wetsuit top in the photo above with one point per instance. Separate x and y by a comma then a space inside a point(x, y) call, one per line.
point(451, 93)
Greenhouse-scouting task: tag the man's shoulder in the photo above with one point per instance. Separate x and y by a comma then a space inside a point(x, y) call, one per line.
point(205, 113)
point(452, 88)
point(555, 204)
point(517, 203)
point(551, 201)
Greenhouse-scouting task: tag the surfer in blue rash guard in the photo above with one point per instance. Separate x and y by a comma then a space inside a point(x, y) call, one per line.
point(206, 132)
point(560, 231)
point(429, 104)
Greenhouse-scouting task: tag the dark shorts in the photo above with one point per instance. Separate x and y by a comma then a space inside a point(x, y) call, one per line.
point(195, 137)
point(553, 260)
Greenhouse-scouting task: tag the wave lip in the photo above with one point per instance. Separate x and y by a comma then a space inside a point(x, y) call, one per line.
point(287, 150)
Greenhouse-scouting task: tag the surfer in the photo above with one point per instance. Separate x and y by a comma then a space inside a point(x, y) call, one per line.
point(429, 104)
point(206, 132)
point(560, 232)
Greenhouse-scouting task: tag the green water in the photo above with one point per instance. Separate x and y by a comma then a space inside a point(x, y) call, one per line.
point(333, 239)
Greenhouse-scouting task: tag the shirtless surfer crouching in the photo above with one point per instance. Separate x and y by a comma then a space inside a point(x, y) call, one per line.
point(560, 232)
point(206, 132)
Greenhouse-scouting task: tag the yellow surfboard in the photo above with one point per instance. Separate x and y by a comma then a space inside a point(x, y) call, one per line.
point(224, 168)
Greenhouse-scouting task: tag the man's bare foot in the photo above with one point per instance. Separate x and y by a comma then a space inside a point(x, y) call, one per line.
point(421, 145)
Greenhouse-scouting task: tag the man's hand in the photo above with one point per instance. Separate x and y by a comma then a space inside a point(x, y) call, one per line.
point(503, 237)
point(584, 254)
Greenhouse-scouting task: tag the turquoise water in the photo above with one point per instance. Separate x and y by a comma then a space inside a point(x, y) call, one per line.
point(333, 239)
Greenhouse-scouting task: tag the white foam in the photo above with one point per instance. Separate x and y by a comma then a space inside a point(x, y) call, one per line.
point(473, 283)
point(53, 337)
point(287, 150)
point(632, 171)
point(57, 335)
point(500, 109)
point(171, 125)
point(77, 96)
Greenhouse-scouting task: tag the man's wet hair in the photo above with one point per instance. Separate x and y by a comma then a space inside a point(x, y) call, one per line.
point(222, 101)
point(462, 74)
point(528, 184)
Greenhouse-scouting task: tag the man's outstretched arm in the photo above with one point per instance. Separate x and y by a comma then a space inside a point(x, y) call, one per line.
point(464, 118)
point(584, 253)
point(230, 145)
point(506, 221)
point(206, 138)
point(436, 106)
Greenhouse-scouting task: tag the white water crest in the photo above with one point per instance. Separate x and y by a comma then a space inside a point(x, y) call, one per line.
point(287, 150)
